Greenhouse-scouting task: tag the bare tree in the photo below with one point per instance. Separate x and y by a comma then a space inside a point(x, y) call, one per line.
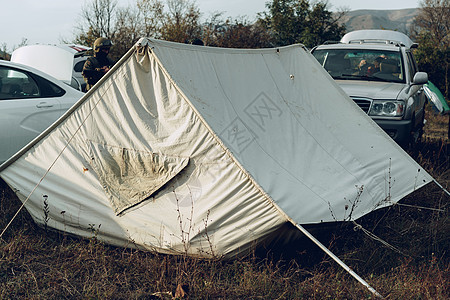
point(98, 19)
point(181, 22)
point(151, 14)
point(99, 15)
point(144, 19)
point(128, 31)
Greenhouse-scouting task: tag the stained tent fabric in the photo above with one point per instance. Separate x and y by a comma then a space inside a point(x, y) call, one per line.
point(208, 151)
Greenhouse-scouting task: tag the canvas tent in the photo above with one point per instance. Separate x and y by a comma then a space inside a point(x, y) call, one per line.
point(205, 151)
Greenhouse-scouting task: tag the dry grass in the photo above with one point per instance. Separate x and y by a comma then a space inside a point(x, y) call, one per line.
point(36, 264)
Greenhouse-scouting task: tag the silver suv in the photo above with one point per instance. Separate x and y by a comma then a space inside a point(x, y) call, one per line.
point(377, 70)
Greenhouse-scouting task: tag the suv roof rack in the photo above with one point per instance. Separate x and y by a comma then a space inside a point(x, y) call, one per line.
point(377, 41)
point(388, 37)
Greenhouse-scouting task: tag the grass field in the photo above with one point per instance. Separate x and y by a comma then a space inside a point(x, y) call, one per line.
point(39, 264)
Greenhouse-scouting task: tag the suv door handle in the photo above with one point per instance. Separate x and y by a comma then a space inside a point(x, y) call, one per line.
point(44, 104)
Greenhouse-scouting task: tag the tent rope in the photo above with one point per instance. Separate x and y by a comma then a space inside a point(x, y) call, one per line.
point(376, 238)
point(439, 185)
point(420, 207)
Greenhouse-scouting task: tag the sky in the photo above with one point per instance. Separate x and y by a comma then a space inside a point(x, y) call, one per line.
point(53, 21)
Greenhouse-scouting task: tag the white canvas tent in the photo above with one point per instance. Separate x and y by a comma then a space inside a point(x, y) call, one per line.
point(205, 151)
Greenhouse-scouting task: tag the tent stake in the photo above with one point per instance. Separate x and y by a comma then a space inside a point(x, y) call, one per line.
point(340, 262)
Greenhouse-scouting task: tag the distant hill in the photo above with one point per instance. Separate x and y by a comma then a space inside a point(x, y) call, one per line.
point(399, 20)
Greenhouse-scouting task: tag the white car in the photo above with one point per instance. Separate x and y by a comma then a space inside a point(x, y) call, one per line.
point(30, 101)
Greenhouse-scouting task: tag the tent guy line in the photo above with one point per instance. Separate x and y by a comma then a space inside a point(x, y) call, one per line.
point(376, 238)
point(441, 187)
point(422, 207)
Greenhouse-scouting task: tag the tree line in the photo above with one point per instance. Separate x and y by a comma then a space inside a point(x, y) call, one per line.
point(283, 23)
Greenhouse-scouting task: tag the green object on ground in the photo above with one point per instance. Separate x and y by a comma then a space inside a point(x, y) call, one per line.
point(436, 97)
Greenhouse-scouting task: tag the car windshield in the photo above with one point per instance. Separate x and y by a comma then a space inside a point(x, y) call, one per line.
point(361, 64)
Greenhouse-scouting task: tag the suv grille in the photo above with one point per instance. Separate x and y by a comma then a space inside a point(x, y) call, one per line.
point(364, 104)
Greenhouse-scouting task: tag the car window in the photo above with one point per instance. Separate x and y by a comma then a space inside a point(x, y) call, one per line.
point(362, 64)
point(20, 84)
point(17, 84)
point(78, 67)
point(412, 66)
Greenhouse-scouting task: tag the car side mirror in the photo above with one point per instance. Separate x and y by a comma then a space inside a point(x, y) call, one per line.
point(420, 78)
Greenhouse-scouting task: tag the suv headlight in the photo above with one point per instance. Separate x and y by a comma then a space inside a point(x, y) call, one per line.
point(387, 108)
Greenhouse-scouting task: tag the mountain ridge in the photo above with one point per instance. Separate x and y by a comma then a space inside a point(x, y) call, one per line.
point(398, 19)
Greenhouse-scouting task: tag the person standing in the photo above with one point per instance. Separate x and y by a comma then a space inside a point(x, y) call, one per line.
point(98, 65)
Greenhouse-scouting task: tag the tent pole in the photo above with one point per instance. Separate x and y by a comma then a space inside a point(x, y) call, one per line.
point(340, 262)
